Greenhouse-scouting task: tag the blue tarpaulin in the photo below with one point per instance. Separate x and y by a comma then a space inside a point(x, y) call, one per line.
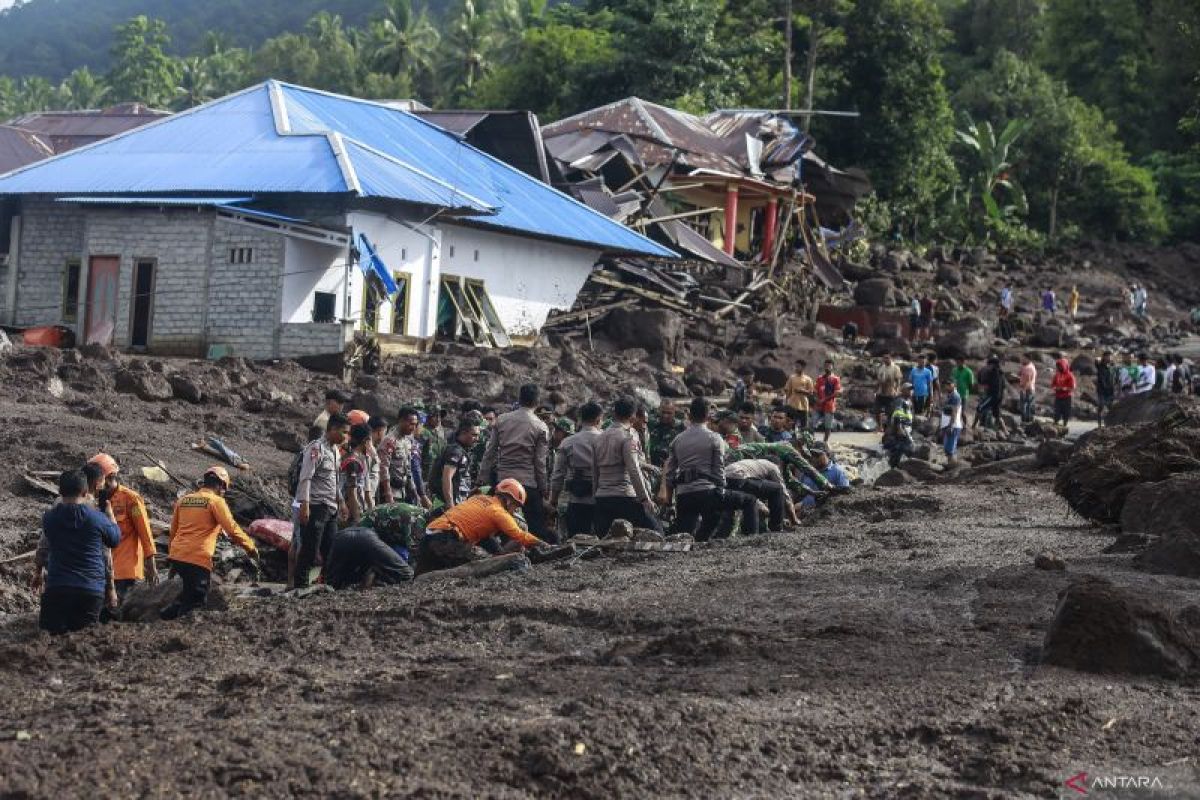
point(371, 264)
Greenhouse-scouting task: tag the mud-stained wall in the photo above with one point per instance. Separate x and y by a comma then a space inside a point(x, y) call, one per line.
point(244, 289)
point(51, 235)
point(177, 242)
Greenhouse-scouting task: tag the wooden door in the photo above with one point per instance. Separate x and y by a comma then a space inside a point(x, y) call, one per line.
point(103, 274)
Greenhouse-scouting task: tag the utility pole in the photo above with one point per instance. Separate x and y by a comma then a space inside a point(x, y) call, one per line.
point(787, 55)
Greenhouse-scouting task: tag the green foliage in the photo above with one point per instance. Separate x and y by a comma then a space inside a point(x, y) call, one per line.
point(1177, 176)
point(559, 69)
point(894, 80)
point(141, 68)
point(1071, 157)
point(991, 182)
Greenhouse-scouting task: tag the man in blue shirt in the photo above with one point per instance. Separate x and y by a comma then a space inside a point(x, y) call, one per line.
point(838, 480)
point(924, 385)
point(72, 562)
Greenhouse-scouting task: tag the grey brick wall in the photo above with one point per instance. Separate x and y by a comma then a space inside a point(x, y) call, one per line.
point(312, 338)
point(178, 241)
point(51, 233)
point(244, 306)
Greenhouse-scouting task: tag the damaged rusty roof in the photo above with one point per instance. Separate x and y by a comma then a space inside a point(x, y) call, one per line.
point(19, 148)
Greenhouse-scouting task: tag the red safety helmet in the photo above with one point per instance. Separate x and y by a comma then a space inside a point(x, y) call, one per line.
point(511, 488)
point(358, 417)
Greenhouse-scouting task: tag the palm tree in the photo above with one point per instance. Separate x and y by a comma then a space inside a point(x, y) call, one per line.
point(195, 83)
point(34, 94)
point(82, 90)
point(467, 51)
point(403, 41)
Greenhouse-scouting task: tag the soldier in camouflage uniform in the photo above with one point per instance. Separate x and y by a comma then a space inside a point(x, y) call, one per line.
point(432, 437)
point(664, 426)
point(789, 455)
point(399, 525)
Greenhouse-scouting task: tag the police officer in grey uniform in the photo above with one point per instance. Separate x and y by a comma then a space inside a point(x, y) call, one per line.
point(573, 471)
point(695, 473)
point(319, 502)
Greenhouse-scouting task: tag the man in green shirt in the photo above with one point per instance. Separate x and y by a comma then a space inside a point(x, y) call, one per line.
point(964, 379)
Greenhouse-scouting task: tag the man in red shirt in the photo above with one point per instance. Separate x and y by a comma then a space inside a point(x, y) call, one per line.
point(829, 387)
point(1063, 384)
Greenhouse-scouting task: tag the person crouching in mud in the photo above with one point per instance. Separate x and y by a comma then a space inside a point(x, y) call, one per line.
point(457, 537)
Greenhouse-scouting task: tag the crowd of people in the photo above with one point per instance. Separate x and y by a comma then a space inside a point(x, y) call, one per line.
point(378, 501)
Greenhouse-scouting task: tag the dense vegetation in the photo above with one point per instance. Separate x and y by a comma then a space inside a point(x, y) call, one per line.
point(1011, 121)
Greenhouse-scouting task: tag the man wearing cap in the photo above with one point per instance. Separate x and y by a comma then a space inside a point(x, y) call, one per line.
point(336, 401)
point(319, 502)
point(133, 558)
point(517, 449)
point(454, 538)
point(198, 519)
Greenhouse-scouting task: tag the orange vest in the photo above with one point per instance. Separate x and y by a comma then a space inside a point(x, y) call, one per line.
point(198, 519)
point(137, 541)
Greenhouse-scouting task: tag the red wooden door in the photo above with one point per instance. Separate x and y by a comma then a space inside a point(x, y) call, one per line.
point(103, 273)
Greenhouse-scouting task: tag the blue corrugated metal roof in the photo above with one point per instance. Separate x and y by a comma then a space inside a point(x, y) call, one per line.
point(95, 200)
point(287, 139)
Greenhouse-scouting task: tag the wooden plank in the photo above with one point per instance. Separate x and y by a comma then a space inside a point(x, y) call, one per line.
point(583, 313)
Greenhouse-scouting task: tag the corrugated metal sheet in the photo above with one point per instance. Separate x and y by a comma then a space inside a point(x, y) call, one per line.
point(232, 145)
point(19, 148)
point(92, 200)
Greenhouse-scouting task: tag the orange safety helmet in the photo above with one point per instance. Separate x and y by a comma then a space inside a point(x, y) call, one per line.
point(358, 417)
point(107, 464)
point(511, 488)
point(220, 473)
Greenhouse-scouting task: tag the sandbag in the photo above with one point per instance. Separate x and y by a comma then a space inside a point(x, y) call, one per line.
point(275, 532)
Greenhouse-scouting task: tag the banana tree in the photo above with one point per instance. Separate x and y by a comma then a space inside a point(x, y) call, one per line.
point(992, 180)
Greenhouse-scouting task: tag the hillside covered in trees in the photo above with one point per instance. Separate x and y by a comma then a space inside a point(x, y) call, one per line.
point(1007, 121)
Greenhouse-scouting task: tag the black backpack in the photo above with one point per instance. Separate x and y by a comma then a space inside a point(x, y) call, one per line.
point(294, 470)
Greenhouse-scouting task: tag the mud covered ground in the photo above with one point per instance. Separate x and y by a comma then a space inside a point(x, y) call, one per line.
point(890, 651)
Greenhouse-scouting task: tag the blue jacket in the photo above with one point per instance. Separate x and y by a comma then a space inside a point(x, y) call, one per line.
point(76, 536)
point(833, 473)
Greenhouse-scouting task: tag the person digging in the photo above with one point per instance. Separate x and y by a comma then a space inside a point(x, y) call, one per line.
point(457, 537)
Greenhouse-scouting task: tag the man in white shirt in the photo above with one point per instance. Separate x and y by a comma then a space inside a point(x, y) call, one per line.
point(1144, 382)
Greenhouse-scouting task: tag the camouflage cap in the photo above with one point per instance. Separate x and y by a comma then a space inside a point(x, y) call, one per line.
point(565, 425)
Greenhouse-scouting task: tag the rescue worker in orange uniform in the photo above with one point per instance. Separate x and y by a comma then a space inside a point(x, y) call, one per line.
point(128, 510)
point(457, 536)
point(198, 519)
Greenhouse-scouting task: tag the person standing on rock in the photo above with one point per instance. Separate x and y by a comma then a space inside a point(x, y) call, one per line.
point(1106, 385)
point(72, 562)
point(952, 421)
point(573, 471)
point(1180, 381)
point(133, 558)
point(695, 478)
point(1049, 302)
point(1027, 387)
point(1144, 382)
point(319, 502)
point(964, 380)
point(199, 518)
point(1006, 299)
point(798, 394)
point(897, 439)
point(887, 386)
point(914, 319)
point(1073, 303)
point(1063, 384)
point(925, 323)
point(1141, 301)
point(451, 481)
point(924, 384)
point(620, 485)
point(517, 450)
point(992, 379)
point(829, 389)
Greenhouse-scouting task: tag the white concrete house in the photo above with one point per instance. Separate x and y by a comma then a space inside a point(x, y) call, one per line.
point(262, 224)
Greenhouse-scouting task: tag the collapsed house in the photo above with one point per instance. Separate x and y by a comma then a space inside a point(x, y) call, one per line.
point(730, 190)
point(280, 221)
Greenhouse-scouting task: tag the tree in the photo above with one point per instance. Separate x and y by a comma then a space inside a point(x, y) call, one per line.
point(893, 79)
point(290, 57)
point(35, 94)
point(559, 70)
point(195, 83)
point(824, 33)
point(403, 43)
point(467, 51)
point(338, 64)
point(991, 181)
point(1076, 173)
point(82, 90)
point(142, 70)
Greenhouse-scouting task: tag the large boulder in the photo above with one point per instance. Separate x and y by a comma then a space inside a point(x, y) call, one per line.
point(968, 337)
point(765, 330)
point(657, 330)
point(146, 385)
point(1149, 407)
point(486, 387)
point(876, 292)
point(770, 374)
point(1053, 453)
point(1100, 627)
point(1163, 508)
point(186, 388)
point(707, 375)
point(949, 275)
